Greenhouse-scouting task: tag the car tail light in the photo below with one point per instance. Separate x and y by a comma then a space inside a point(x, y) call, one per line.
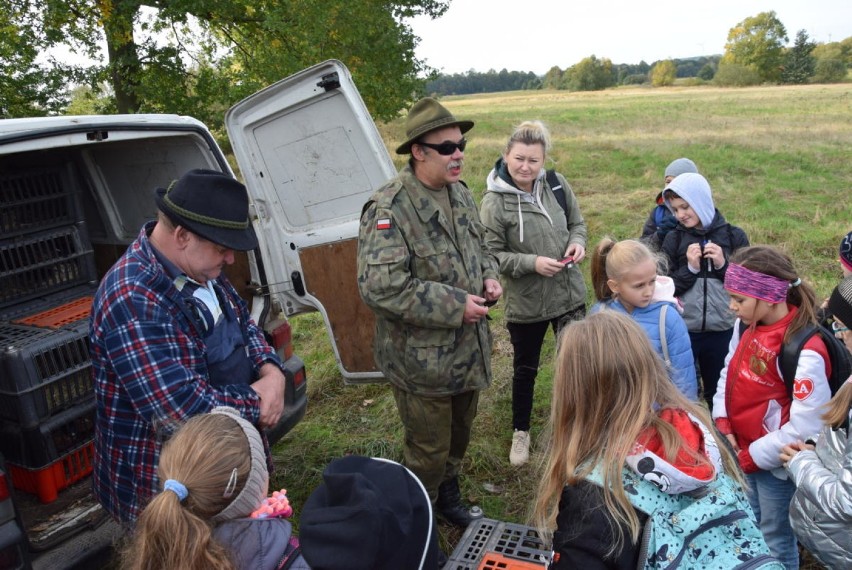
point(4, 486)
point(299, 377)
point(282, 339)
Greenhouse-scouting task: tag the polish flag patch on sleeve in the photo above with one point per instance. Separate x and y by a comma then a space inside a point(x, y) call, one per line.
point(383, 224)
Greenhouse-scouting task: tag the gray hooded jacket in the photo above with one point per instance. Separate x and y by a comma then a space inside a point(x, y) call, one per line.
point(520, 226)
point(705, 301)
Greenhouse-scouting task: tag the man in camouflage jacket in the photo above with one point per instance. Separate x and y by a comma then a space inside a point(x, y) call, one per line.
point(425, 271)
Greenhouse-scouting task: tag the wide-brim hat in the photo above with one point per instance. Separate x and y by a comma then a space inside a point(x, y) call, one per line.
point(425, 116)
point(211, 204)
point(368, 513)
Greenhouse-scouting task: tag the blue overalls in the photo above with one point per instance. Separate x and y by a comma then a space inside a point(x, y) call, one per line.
point(209, 309)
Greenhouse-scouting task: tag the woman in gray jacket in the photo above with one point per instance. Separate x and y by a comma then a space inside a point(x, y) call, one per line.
point(538, 244)
point(821, 510)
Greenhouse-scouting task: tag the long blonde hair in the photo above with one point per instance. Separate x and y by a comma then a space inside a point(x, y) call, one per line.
point(607, 383)
point(176, 535)
point(838, 407)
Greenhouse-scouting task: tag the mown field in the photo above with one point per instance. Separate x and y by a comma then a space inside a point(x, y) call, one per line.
point(779, 160)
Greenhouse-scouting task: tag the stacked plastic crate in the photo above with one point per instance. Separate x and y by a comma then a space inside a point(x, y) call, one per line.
point(47, 278)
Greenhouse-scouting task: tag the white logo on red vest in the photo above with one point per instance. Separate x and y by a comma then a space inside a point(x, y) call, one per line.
point(803, 388)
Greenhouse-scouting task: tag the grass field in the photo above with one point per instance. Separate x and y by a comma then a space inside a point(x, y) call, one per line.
point(779, 160)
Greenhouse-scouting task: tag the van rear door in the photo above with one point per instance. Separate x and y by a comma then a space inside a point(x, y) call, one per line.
point(310, 156)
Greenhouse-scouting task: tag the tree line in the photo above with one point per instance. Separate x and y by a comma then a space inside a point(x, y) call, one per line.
point(755, 53)
point(199, 57)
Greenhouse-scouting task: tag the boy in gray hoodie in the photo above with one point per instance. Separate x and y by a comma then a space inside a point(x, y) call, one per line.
point(698, 250)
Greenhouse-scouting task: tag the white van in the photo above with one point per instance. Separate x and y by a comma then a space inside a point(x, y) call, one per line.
point(75, 191)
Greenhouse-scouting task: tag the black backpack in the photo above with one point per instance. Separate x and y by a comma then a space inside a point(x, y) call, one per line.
point(838, 355)
point(558, 191)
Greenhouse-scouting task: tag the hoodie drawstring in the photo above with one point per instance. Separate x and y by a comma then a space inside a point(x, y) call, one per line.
point(521, 219)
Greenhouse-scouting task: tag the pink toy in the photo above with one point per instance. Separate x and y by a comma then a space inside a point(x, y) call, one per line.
point(276, 505)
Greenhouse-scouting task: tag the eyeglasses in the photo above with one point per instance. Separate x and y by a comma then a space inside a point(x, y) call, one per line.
point(446, 148)
point(838, 328)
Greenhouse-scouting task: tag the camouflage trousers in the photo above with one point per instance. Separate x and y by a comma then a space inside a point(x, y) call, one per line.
point(437, 432)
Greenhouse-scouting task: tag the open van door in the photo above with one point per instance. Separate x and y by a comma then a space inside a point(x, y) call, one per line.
point(311, 156)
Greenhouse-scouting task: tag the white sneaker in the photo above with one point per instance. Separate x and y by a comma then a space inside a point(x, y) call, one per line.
point(520, 452)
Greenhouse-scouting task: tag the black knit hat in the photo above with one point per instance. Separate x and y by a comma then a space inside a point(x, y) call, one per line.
point(840, 302)
point(211, 204)
point(368, 513)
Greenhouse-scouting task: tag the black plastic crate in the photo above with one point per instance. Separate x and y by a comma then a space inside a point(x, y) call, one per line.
point(38, 264)
point(39, 446)
point(43, 372)
point(488, 543)
point(36, 199)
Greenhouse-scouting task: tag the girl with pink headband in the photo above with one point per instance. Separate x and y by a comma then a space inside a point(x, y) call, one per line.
point(752, 406)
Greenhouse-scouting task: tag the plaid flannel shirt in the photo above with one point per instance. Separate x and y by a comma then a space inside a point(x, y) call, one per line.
point(150, 374)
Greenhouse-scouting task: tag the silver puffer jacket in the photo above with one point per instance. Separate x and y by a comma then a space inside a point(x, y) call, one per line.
point(821, 511)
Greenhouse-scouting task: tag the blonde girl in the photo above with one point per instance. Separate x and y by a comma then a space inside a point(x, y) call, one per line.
point(624, 278)
point(752, 406)
point(612, 394)
point(214, 475)
point(821, 511)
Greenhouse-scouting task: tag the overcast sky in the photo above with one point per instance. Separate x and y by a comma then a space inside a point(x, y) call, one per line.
point(535, 35)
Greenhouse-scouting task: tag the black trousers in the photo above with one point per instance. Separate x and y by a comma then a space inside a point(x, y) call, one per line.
point(710, 349)
point(527, 339)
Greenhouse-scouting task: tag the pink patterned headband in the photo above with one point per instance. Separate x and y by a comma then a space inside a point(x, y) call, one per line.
point(761, 286)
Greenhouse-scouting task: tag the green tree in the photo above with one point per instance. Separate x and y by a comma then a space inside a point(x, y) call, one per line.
point(736, 75)
point(829, 71)
point(758, 42)
point(552, 79)
point(707, 72)
point(200, 56)
point(663, 73)
point(27, 88)
point(799, 64)
point(590, 74)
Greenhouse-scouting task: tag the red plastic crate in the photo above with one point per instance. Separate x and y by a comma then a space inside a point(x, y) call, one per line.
point(60, 316)
point(494, 561)
point(48, 481)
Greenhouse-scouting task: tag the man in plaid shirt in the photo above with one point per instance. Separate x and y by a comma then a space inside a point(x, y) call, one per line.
point(171, 338)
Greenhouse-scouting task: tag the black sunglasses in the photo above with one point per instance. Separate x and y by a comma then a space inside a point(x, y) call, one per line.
point(446, 148)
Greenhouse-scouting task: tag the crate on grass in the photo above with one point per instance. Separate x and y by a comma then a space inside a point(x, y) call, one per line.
point(46, 482)
point(46, 262)
point(39, 446)
point(489, 544)
point(37, 199)
point(43, 372)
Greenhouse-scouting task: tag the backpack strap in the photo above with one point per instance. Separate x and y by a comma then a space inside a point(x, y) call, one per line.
point(663, 340)
point(291, 554)
point(788, 360)
point(558, 190)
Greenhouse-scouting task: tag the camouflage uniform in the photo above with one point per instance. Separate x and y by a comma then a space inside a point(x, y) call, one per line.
point(415, 272)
